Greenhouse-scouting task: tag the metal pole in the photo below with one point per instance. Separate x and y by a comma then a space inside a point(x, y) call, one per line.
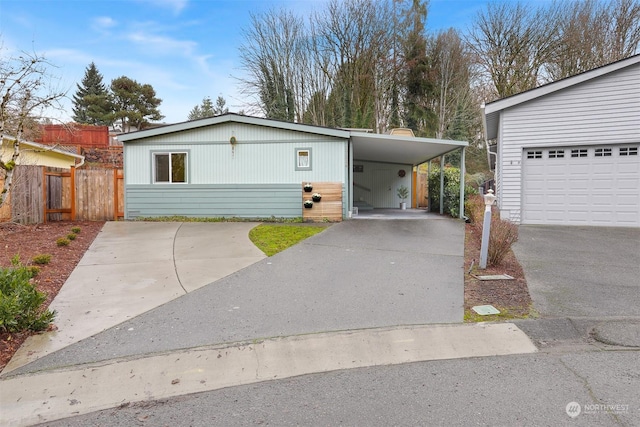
point(461, 213)
point(441, 185)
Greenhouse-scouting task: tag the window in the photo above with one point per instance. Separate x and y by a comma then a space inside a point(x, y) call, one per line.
point(579, 152)
point(603, 152)
point(170, 167)
point(303, 159)
point(534, 154)
point(629, 151)
point(556, 154)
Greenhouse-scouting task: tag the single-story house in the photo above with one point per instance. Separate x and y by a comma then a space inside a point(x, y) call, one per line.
point(241, 166)
point(568, 151)
point(36, 154)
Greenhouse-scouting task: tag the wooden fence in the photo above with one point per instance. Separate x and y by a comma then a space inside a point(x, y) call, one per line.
point(40, 194)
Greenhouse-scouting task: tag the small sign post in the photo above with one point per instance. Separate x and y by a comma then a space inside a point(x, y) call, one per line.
point(489, 198)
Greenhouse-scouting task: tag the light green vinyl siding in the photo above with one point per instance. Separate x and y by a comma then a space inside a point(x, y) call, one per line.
point(209, 201)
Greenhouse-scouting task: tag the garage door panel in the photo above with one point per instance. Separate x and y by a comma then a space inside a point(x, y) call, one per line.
point(602, 190)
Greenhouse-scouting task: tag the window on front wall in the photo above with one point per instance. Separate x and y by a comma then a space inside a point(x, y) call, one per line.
point(170, 167)
point(303, 159)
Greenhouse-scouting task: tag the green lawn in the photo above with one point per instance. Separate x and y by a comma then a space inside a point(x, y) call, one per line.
point(272, 238)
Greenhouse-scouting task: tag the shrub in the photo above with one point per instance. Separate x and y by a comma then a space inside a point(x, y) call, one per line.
point(75, 230)
point(62, 241)
point(451, 190)
point(503, 234)
point(42, 259)
point(474, 209)
point(71, 236)
point(20, 302)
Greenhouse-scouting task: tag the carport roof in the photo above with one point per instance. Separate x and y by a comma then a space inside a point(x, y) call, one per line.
point(400, 149)
point(366, 146)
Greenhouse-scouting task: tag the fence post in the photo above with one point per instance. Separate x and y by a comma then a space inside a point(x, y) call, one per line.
point(45, 203)
point(73, 193)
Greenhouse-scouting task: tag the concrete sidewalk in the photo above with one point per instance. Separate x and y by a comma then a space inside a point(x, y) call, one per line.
point(133, 267)
point(63, 393)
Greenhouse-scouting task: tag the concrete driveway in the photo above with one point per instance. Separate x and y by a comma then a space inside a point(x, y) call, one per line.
point(581, 271)
point(133, 267)
point(354, 275)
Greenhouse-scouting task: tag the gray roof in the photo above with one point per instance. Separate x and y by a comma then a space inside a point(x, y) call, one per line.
point(366, 146)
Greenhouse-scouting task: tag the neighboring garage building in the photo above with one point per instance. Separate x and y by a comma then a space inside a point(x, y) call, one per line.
point(240, 166)
point(568, 152)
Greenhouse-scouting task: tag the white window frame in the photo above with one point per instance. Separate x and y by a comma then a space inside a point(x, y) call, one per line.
point(154, 156)
point(300, 166)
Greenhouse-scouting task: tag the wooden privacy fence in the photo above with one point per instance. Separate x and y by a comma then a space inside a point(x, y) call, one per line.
point(330, 205)
point(39, 194)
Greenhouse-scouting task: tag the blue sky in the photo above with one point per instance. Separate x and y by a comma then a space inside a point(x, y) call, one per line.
point(186, 49)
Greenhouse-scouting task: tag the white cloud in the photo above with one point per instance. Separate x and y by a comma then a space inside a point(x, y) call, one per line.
point(161, 44)
point(104, 23)
point(174, 5)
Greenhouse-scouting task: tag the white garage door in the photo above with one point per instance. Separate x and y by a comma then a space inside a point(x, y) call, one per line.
point(591, 185)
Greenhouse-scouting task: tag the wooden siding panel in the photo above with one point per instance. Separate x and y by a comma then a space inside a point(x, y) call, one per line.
point(601, 111)
point(247, 201)
point(330, 205)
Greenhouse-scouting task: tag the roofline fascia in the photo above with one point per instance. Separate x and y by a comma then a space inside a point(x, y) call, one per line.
point(233, 118)
point(46, 148)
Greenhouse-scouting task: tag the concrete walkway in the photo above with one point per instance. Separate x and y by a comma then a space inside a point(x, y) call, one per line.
point(133, 267)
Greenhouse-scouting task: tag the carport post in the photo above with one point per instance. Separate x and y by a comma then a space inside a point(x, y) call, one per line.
point(441, 184)
point(489, 198)
point(461, 213)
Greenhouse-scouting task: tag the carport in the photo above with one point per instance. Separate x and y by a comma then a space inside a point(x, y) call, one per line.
point(402, 150)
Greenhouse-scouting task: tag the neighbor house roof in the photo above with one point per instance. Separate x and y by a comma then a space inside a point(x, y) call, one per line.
point(366, 146)
point(33, 153)
point(492, 110)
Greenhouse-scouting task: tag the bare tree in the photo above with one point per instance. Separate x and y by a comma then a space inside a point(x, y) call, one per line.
point(272, 55)
point(593, 34)
point(25, 95)
point(451, 73)
point(355, 37)
point(512, 43)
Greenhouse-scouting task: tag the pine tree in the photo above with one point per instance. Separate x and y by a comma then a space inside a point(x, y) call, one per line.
point(91, 102)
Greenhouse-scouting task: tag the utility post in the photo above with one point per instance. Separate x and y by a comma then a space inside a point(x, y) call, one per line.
point(489, 198)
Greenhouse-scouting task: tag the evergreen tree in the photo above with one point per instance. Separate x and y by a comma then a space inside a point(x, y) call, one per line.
point(207, 109)
point(134, 104)
point(91, 102)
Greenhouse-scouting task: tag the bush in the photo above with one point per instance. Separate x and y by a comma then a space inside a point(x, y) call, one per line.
point(75, 230)
point(62, 241)
point(42, 259)
point(503, 234)
point(71, 236)
point(474, 209)
point(451, 190)
point(20, 302)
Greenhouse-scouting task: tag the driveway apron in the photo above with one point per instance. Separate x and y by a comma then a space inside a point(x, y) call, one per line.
point(581, 271)
point(354, 275)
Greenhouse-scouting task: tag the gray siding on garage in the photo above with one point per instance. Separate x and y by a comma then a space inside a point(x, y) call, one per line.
point(221, 200)
point(604, 110)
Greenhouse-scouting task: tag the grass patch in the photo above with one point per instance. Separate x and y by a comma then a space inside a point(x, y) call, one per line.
point(272, 239)
point(471, 316)
point(178, 218)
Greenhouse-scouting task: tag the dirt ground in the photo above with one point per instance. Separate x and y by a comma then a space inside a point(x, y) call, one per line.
point(510, 297)
point(27, 241)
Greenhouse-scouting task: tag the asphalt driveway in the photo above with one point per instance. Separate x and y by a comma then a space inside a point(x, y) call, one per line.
point(581, 271)
point(355, 274)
